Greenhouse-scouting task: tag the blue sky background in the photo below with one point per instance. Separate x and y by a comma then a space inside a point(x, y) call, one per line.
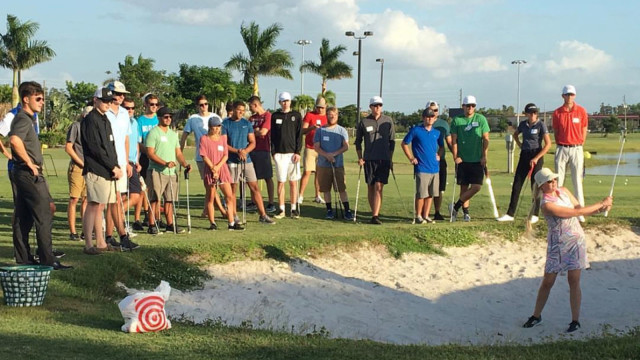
point(432, 48)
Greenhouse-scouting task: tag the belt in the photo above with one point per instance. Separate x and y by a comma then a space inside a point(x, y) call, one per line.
point(570, 145)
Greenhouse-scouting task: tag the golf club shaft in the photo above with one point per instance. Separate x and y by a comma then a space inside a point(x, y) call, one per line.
point(613, 183)
point(355, 209)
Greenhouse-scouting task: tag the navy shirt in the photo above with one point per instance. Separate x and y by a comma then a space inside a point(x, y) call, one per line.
point(532, 135)
point(424, 145)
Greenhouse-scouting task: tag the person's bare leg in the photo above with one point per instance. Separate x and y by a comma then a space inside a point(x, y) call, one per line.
point(419, 207)
point(316, 184)
point(269, 182)
point(427, 207)
point(377, 198)
point(88, 222)
point(97, 227)
point(543, 293)
point(371, 189)
point(210, 201)
point(293, 192)
point(304, 181)
point(257, 197)
point(575, 293)
point(280, 194)
point(71, 215)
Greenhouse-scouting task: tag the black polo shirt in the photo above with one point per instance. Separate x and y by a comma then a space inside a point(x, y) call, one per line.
point(286, 132)
point(378, 136)
point(98, 145)
point(532, 135)
point(22, 127)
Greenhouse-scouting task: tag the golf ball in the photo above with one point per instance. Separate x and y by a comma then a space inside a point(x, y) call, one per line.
point(599, 181)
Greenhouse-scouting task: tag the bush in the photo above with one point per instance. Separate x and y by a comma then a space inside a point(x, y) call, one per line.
point(52, 138)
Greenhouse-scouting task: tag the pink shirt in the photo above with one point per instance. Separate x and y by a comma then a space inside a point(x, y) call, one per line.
point(215, 151)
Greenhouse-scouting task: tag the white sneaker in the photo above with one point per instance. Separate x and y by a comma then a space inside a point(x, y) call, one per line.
point(300, 198)
point(505, 217)
point(581, 218)
point(534, 219)
point(319, 200)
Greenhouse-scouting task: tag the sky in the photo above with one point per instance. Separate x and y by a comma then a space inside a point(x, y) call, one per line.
point(432, 49)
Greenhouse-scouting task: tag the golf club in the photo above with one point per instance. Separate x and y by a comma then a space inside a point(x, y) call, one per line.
point(404, 206)
point(491, 195)
point(413, 219)
point(297, 167)
point(453, 194)
point(524, 184)
point(613, 183)
point(336, 193)
point(243, 192)
point(186, 180)
point(175, 226)
point(355, 209)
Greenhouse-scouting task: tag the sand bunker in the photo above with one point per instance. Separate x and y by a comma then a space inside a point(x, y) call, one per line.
point(480, 294)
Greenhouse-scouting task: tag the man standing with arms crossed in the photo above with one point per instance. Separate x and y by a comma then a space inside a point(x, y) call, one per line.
point(286, 144)
point(312, 121)
point(378, 132)
point(570, 123)
point(261, 155)
point(470, 142)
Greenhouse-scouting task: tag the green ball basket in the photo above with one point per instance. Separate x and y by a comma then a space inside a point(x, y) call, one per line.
point(25, 285)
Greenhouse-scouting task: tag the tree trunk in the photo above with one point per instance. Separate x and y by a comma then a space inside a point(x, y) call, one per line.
point(256, 89)
point(15, 97)
point(324, 86)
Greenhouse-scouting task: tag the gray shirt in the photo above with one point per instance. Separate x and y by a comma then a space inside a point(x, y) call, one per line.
point(379, 138)
point(331, 140)
point(22, 127)
point(73, 136)
point(532, 135)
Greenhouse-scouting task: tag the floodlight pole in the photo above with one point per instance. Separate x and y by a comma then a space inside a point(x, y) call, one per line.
point(359, 53)
point(302, 43)
point(381, 61)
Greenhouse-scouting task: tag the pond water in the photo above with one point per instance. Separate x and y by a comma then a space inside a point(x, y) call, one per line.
point(631, 166)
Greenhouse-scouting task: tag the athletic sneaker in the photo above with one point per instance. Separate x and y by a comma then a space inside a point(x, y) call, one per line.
point(112, 242)
point(437, 216)
point(453, 213)
point(467, 218)
point(319, 200)
point(295, 214)
point(152, 230)
point(505, 217)
point(213, 226)
point(279, 214)
point(130, 232)
point(271, 208)
point(82, 235)
point(419, 220)
point(161, 224)
point(375, 220)
point(428, 220)
point(137, 226)
point(533, 321)
point(348, 215)
point(534, 219)
point(74, 237)
point(127, 244)
point(169, 228)
point(145, 221)
point(573, 326)
point(252, 207)
point(300, 199)
point(266, 220)
point(329, 215)
point(57, 253)
point(235, 227)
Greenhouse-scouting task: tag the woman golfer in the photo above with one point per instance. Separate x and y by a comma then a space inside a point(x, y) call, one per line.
point(215, 152)
point(566, 249)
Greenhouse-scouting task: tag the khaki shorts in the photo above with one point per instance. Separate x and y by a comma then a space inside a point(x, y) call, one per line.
point(123, 182)
point(325, 179)
point(99, 189)
point(160, 187)
point(310, 159)
point(285, 168)
point(427, 185)
point(236, 172)
point(77, 188)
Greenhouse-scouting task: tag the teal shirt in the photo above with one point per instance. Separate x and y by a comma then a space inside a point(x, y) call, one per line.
point(469, 131)
point(165, 145)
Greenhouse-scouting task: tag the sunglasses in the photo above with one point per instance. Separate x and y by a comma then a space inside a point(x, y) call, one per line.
point(376, 105)
point(470, 105)
point(153, 104)
point(130, 107)
point(167, 117)
point(39, 98)
point(550, 181)
point(203, 104)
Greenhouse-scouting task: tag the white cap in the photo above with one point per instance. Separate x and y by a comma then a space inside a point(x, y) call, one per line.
point(284, 96)
point(117, 86)
point(375, 100)
point(544, 175)
point(569, 89)
point(469, 99)
point(434, 104)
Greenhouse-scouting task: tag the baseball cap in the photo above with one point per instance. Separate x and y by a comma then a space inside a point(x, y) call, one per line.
point(215, 120)
point(117, 86)
point(428, 113)
point(431, 103)
point(469, 99)
point(163, 111)
point(544, 175)
point(104, 94)
point(321, 102)
point(375, 100)
point(530, 108)
point(568, 89)
point(284, 96)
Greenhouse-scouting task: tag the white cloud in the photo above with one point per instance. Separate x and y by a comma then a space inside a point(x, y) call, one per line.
point(575, 55)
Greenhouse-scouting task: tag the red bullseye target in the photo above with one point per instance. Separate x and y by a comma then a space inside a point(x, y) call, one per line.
point(151, 314)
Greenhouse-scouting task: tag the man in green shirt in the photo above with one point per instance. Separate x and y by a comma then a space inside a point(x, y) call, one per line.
point(163, 148)
point(470, 143)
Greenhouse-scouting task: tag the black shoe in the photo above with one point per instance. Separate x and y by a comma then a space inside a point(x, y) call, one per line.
point(169, 228)
point(137, 226)
point(295, 213)
point(161, 224)
point(533, 321)
point(145, 222)
point(279, 214)
point(375, 220)
point(438, 216)
point(127, 244)
point(74, 237)
point(112, 242)
point(82, 235)
point(57, 253)
point(575, 325)
point(213, 226)
point(235, 227)
point(57, 266)
point(152, 230)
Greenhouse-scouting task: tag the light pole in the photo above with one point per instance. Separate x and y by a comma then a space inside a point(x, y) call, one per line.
point(509, 137)
point(381, 61)
point(359, 38)
point(302, 43)
point(518, 63)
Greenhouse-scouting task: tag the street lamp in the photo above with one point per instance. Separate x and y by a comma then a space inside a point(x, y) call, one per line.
point(359, 52)
point(302, 43)
point(381, 61)
point(509, 137)
point(518, 63)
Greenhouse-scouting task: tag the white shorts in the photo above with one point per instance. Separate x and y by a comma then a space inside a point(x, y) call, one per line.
point(285, 168)
point(122, 183)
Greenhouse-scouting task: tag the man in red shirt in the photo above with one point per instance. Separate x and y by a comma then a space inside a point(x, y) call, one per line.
point(312, 121)
point(570, 131)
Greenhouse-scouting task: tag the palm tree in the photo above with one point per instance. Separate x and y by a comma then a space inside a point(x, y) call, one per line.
point(330, 68)
point(263, 59)
point(18, 51)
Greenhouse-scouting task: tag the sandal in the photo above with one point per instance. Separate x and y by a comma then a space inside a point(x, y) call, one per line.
point(91, 251)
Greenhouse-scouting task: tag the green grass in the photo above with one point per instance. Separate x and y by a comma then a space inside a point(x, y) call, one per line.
point(80, 317)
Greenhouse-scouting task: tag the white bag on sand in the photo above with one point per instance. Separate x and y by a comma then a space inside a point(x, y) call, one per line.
point(144, 311)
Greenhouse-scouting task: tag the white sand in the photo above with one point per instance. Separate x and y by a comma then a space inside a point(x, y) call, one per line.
point(480, 294)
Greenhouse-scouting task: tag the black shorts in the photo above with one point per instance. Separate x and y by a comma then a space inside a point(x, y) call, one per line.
point(470, 173)
point(377, 171)
point(262, 164)
point(135, 187)
point(443, 176)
